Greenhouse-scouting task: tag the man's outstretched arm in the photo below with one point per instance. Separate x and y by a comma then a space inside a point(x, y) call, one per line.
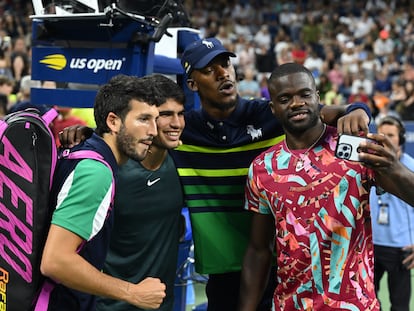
point(348, 119)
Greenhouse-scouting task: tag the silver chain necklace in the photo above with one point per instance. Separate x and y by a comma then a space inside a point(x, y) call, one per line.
point(299, 161)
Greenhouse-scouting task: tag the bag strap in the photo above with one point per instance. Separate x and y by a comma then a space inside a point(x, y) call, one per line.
point(90, 154)
point(3, 126)
point(50, 115)
point(42, 302)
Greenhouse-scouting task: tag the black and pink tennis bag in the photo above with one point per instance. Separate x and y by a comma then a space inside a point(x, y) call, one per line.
point(28, 157)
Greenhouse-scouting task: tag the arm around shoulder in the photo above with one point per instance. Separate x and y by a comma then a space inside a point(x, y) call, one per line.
point(350, 119)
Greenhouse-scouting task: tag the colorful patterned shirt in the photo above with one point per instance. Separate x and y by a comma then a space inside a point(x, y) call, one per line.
point(323, 226)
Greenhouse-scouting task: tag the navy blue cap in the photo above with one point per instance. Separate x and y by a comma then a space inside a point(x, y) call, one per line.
point(200, 53)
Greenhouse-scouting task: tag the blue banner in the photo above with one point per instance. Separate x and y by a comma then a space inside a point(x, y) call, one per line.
point(88, 65)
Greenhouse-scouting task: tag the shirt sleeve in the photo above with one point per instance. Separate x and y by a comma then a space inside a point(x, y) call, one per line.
point(255, 200)
point(84, 199)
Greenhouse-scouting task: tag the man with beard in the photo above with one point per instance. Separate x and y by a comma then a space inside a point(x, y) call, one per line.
point(313, 207)
point(148, 202)
point(125, 114)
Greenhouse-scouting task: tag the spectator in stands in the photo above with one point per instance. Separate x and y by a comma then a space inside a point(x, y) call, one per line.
point(249, 87)
point(361, 80)
point(5, 66)
point(362, 26)
point(346, 87)
point(382, 102)
point(349, 58)
point(330, 57)
point(297, 17)
point(398, 94)
point(336, 75)
point(264, 58)
point(263, 37)
point(6, 86)
point(333, 97)
point(393, 65)
point(324, 85)
point(264, 90)
point(12, 24)
point(285, 55)
point(19, 45)
point(343, 36)
point(23, 96)
point(242, 27)
point(20, 67)
point(383, 45)
point(282, 41)
point(360, 96)
point(314, 63)
point(298, 53)
point(64, 119)
point(406, 107)
point(392, 226)
point(383, 82)
point(246, 51)
point(311, 33)
point(224, 36)
point(371, 65)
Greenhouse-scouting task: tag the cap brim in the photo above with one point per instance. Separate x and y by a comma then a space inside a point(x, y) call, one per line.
point(204, 61)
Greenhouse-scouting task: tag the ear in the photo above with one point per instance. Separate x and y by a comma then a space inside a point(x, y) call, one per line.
point(113, 122)
point(192, 85)
point(272, 107)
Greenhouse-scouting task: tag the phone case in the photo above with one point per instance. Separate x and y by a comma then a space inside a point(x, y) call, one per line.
point(348, 147)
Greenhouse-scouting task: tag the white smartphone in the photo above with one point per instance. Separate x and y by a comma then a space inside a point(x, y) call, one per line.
point(348, 147)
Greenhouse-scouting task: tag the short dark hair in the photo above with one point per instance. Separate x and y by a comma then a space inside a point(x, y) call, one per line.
point(286, 69)
point(166, 88)
point(116, 95)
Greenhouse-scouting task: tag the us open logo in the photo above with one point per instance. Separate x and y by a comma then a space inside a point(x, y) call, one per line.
point(59, 62)
point(54, 61)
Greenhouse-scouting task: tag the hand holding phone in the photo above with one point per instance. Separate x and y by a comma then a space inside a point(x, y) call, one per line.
point(348, 147)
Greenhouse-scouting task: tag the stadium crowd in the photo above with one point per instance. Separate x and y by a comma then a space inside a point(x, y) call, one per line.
point(358, 51)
